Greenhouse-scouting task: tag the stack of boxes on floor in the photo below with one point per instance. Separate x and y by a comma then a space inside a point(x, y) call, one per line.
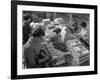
point(80, 53)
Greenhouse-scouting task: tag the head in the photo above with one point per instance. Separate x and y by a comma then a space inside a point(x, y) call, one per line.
point(38, 33)
point(27, 18)
point(83, 24)
point(57, 30)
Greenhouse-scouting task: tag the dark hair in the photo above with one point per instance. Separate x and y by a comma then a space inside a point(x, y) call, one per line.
point(26, 17)
point(57, 30)
point(38, 32)
point(83, 24)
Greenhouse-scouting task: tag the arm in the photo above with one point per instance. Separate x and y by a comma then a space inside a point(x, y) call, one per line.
point(43, 60)
point(45, 56)
point(78, 35)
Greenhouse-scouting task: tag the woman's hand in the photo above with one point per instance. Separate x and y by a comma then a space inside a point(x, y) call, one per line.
point(78, 35)
point(45, 58)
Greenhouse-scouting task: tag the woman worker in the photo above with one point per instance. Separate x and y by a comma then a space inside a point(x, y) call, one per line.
point(83, 35)
point(65, 32)
point(32, 50)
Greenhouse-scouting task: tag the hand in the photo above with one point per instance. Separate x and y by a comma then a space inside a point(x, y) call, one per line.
point(45, 58)
point(78, 35)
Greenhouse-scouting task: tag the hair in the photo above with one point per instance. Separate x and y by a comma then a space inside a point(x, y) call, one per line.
point(57, 30)
point(83, 24)
point(38, 32)
point(27, 17)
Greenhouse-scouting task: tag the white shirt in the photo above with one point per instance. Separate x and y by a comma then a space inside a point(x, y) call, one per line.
point(84, 33)
point(63, 33)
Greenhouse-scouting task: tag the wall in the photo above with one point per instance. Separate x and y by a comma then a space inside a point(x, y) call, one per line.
point(5, 40)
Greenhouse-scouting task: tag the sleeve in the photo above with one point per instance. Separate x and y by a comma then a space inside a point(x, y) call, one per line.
point(86, 35)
